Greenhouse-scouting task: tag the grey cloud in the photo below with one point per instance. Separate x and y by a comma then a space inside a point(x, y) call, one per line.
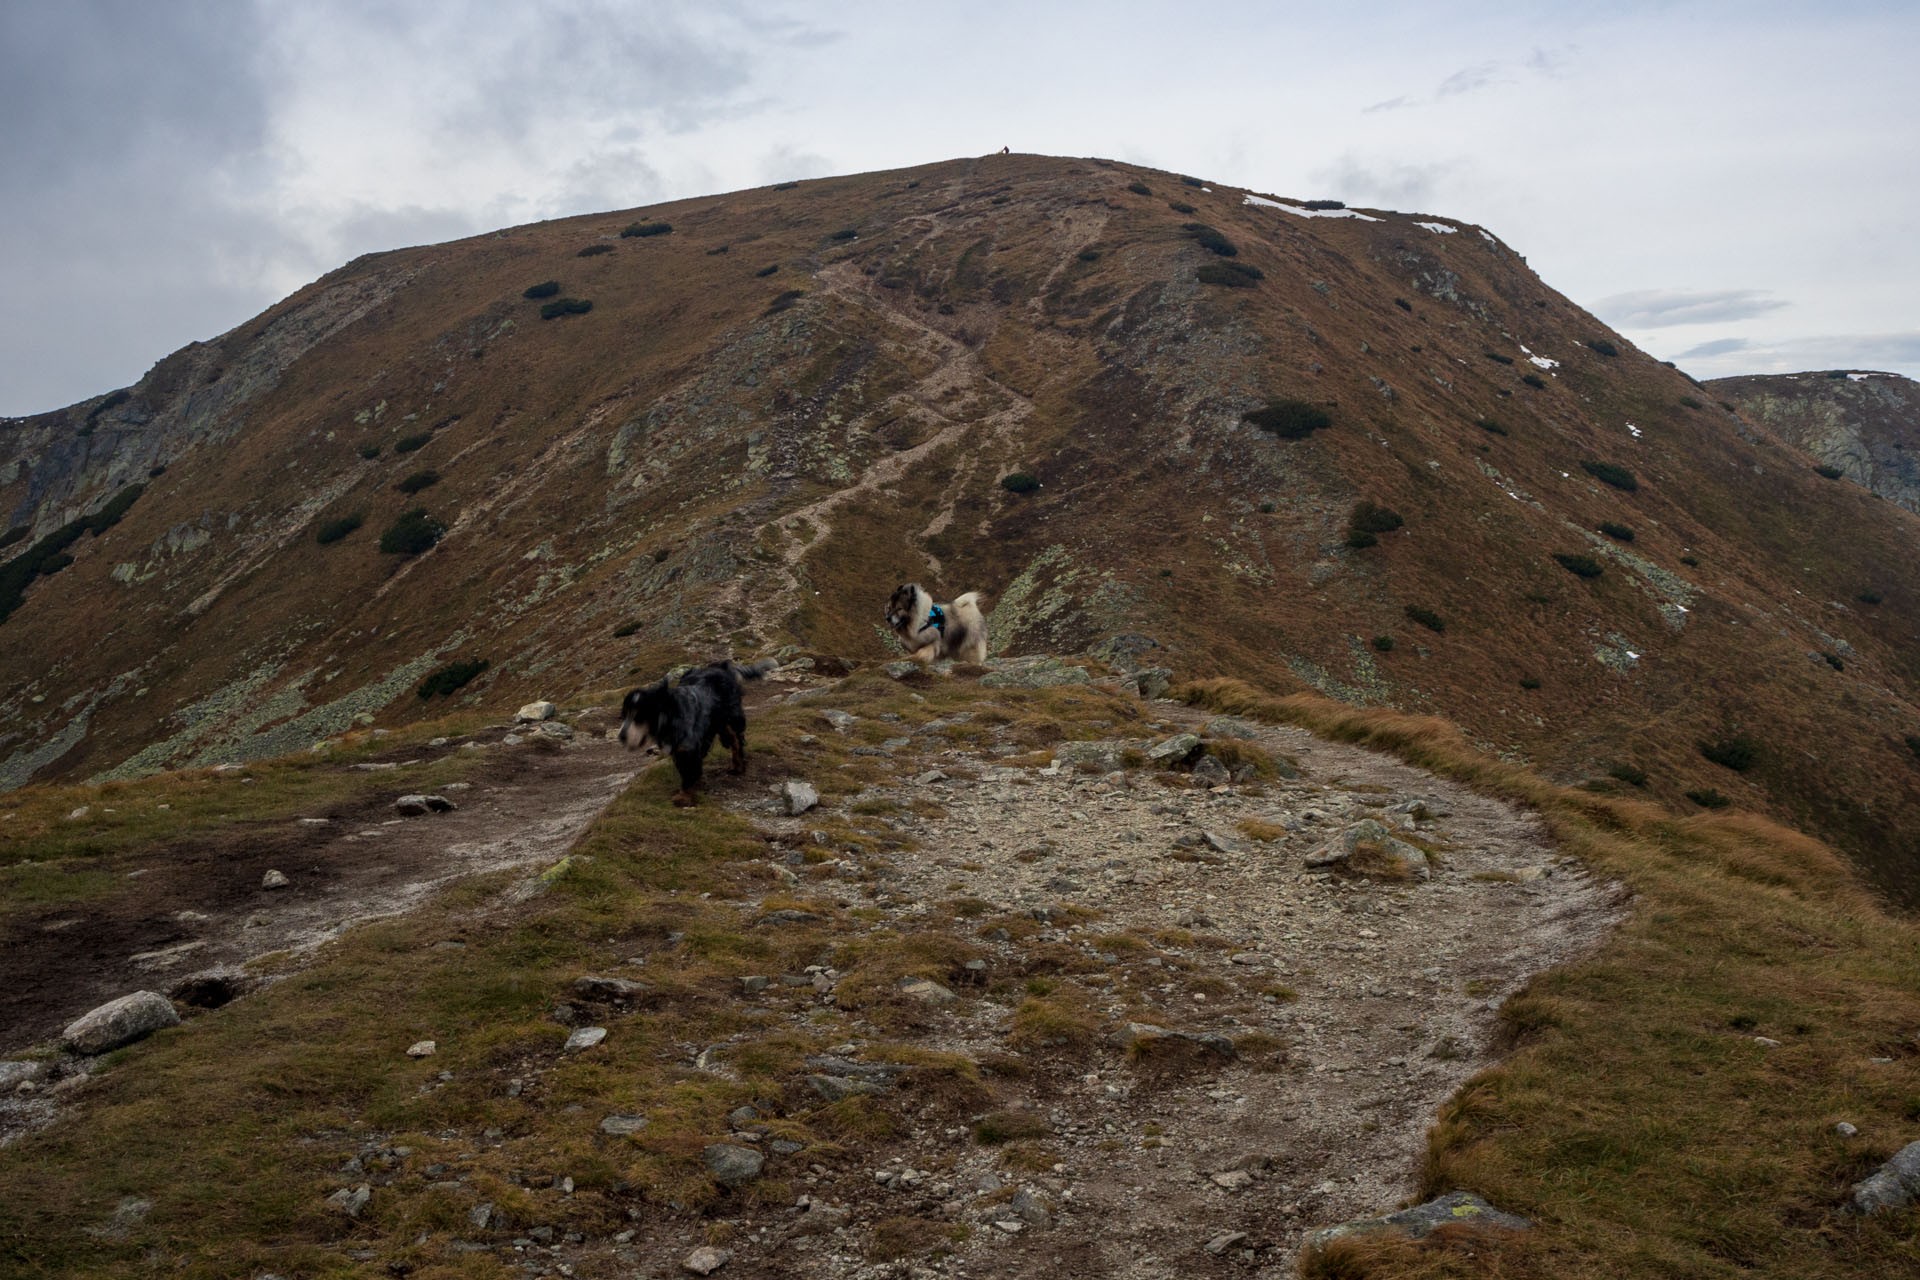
point(1391, 104)
point(1386, 185)
point(1718, 347)
point(1890, 352)
point(787, 163)
point(1467, 80)
point(1663, 308)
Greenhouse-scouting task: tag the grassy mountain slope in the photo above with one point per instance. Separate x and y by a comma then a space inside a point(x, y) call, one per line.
point(717, 455)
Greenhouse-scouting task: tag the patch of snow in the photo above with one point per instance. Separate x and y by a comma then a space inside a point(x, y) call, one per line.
point(1543, 362)
point(1264, 203)
point(1633, 655)
point(1862, 377)
point(1440, 227)
point(1488, 238)
point(1633, 431)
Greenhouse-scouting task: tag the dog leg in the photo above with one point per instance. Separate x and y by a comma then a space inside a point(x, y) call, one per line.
point(685, 799)
point(738, 741)
point(689, 792)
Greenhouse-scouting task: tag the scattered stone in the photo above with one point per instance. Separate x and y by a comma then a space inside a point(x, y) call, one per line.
point(1030, 1209)
point(821, 1219)
point(620, 1126)
point(1892, 1186)
point(119, 1022)
point(422, 1049)
point(1232, 1180)
point(930, 777)
point(788, 915)
point(128, 1214)
point(480, 1216)
point(840, 720)
point(584, 1038)
point(1039, 673)
point(1843, 1129)
point(595, 987)
point(274, 880)
point(1212, 772)
point(534, 712)
point(730, 1165)
point(15, 1074)
point(834, 1088)
point(417, 806)
point(1229, 727)
point(1221, 1243)
point(798, 796)
point(753, 984)
point(1421, 1220)
point(706, 1260)
point(1174, 749)
point(351, 1202)
point(927, 991)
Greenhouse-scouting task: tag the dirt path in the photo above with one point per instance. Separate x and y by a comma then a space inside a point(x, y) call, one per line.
point(1397, 987)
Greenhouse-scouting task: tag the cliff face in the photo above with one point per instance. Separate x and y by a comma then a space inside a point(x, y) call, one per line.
point(1866, 425)
point(797, 397)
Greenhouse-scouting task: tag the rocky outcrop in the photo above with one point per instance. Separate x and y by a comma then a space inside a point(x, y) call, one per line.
point(119, 1022)
point(1864, 425)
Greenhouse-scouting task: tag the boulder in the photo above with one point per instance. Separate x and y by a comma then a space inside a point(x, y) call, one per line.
point(351, 1202)
point(596, 987)
point(902, 669)
point(706, 1260)
point(1892, 1186)
point(1106, 753)
point(730, 1165)
point(840, 720)
point(274, 880)
point(926, 991)
point(1229, 727)
point(820, 1219)
point(534, 712)
point(1210, 771)
point(1174, 750)
point(1421, 1220)
point(1153, 681)
point(15, 1074)
point(119, 1022)
point(1144, 1035)
point(416, 806)
point(1341, 847)
point(422, 1049)
point(619, 1125)
point(797, 797)
point(584, 1038)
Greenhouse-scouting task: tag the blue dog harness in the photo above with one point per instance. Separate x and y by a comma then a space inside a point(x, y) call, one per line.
point(937, 619)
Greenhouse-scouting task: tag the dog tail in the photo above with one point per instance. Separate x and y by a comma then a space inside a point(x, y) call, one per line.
point(752, 670)
point(967, 607)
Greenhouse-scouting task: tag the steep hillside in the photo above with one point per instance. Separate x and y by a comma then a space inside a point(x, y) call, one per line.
point(798, 396)
point(1865, 425)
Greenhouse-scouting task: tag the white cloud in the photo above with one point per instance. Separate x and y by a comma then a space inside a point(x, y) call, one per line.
point(1664, 308)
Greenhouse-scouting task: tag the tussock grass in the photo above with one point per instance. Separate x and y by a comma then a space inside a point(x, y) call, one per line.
point(1642, 1130)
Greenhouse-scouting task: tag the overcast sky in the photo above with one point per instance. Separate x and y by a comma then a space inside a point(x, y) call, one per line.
point(1732, 186)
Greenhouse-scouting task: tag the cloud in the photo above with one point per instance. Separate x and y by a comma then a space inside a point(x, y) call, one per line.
point(1897, 352)
point(1467, 80)
point(1383, 185)
point(1718, 347)
point(1551, 63)
point(1664, 308)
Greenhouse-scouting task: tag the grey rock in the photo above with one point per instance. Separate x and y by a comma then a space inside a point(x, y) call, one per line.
point(119, 1022)
point(786, 1147)
point(351, 1202)
point(414, 806)
point(1030, 1209)
point(798, 796)
point(926, 991)
point(730, 1165)
point(555, 730)
point(788, 915)
point(1843, 1129)
point(1153, 682)
point(742, 1117)
point(584, 1038)
point(1221, 1243)
point(15, 1074)
point(706, 1260)
point(902, 669)
point(834, 1088)
point(1105, 754)
point(1340, 848)
point(821, 1219)
point(128, 1214)
point(1220, 843)
point(1175, 749)
point(930, 777)
point(878, 1072)
point(753, 984)
point(421, 1049)
point(596, 987)
point(1229, 727)
point(480, 1217)
point(1123, 652)
point(1421, 1220)
point(1210, 771)
point(840, 720)
point(1130, 1034)
point(274, 880)
point(1043, 673)
point(619, 1125)
point(534, 712)
point(1892, 1186)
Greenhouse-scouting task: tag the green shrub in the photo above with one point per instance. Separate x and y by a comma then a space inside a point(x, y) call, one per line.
point(1913, 744)
point(1426, 618)
point(49, 555)
point(1019, 482)
point(117, 507)
point(55, 563)
point(331, 531)
point(369, 450)
point(626, 629)
point(1289, 419)
point(415, 531)
point(714, 253)
point(1529, 682)
point(633, 229)
point(408, 444)
point(419, 480)
point(1383, 644)
point(1535, 381)
point(785, 300)
point(1688, 402)
point(785, 186)
point(766, 271)
point(1628, 774)
point(1497, 358)
point(1865, 597)
point(1140, 188)
point(1836, 373)
point(1374, 518)
point(1488, 424)
point(845, 233)
point(1708, 798)
point(1610, 473)
point(1831, 473)
point(566, 307)
point(1088, 255)
point(1234, 275)
point(1737, 752)
point(451, 678)
point(1361, 539)
point(18, 533)
point(1833, 660)
point(1267, 508)
point(1604, 347)
point(1209, 238)
point(594, 251)
point(1692, 562)
point(1190, 182)
point(1326, 204)
point(545, 289)
point(1583, 566)
point(1179, 206)
point(1620, 531)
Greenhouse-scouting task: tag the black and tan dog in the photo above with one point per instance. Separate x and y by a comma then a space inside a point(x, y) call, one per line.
point(683, 721)
point(931, 632)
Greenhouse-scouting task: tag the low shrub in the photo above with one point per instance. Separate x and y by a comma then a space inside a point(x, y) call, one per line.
point(49, 555)
point(1289, 419)
point(1628, 774)
point(633, 229)
point(1374, 518)
point(785, 300)
point(1611, 473)
point(1833, 660)
point(408, 444)
point(1831, 473)
point(1737, 752)
point(766, 271)
point(545, 289)
point(1529, 682)
point(1728, 406)
point(594, 251)
point(369, 450)
point(1708, 798)
point(1179, 206)
point(1604, 347)
point(1488, 424)
point(1403, 304)
point(1361, 539)
point(1865, 597)
point(1019, 482)
point(626, 629)
point(1620, 531)
point(415, 531)
point(1140, 188)
point(331, 531)
point(1209, 238)
point(1088, 255)
point(451, 678)
point(845, 233)
point(55, 563)
point(1581, 566)
point(1535, 381)
point(1913, 744)
point(1190, 182)
point(1234, 275)
point(419, 480)
point(1425, 617)
point(785, 186)
point(1383, 644)
point(566, 307)
point(1836, 373)
point(714, 253)
point(1692, 562)
point(1497, 358)
point(18, 533)
point(1268, 508)
point(1326, 204)
point(1688, 402)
